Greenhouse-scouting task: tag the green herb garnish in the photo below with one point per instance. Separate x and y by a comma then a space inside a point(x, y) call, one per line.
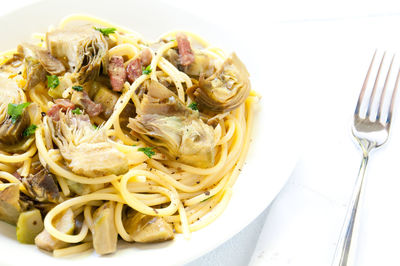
point(95, 127)
point(193, 106)
point(147, 70)
point(76, 111)
point(77, 88)
point(29, 130)
point(106, 31)
point(148, 151)
point(52, 81)
point(15, 110)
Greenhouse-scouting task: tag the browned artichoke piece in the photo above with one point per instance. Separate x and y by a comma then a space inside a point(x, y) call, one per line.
point(35, 73)
point(145, 228)
point(9, 203)
point(225, 90)
point(82, 49)
point(42, 186)
point(12, 133)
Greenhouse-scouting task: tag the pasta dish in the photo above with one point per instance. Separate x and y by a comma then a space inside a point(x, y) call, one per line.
point(105, 135)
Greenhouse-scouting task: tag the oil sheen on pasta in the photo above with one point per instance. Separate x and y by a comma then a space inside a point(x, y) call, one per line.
point(106, 135)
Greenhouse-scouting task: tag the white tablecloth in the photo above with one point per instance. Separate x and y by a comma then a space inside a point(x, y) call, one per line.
point(320, 51)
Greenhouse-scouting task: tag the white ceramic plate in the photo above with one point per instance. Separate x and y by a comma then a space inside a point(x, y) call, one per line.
point(270, 161)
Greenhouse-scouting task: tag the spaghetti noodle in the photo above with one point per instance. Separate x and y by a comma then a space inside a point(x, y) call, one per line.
point(121, 136)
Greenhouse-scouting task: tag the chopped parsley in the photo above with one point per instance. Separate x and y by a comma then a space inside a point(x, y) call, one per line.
point(148, 151)
point(95, 127)
point(77, 88)
point(29, 130)
point(106, 31)
point(193, 106)
point(77, 111)
point(52, 81)
point(147, 70)
point(15, 110)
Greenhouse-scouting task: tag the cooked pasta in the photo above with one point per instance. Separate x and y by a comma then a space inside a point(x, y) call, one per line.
point(109, 135)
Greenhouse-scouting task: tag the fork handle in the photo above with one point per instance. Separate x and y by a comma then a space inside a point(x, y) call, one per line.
point(346, 236)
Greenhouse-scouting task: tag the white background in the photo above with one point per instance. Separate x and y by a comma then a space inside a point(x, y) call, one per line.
point(319, 51)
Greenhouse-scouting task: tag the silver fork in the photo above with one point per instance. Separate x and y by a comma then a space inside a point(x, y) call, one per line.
point(370, 132)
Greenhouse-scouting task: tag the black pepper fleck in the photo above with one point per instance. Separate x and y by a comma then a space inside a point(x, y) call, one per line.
point(43, 113)
point(207, 193)
point(198, 182)
point(34, 222)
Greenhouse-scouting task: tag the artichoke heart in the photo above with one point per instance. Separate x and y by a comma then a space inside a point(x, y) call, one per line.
point(202, 65)
point(105, 235)
point(86, 149)
point(145, 228)
point(42, 187)
point(225, 90)
point(9, 203)
point(174, 128)
point(83, 50)
point(11, 132)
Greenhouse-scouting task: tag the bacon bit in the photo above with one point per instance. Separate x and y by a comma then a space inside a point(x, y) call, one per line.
point(91, 108)
point(134, 70)
point(116, 72)
point(185, 50)
point(60, 104)
point(146, 57)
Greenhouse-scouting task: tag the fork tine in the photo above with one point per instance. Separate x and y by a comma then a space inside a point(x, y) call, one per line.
point(396, 85)
point(371, 98)
point(378, 115)
point(362, 92)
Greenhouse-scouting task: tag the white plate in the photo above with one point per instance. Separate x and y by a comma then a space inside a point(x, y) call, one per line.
point(272, 153)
